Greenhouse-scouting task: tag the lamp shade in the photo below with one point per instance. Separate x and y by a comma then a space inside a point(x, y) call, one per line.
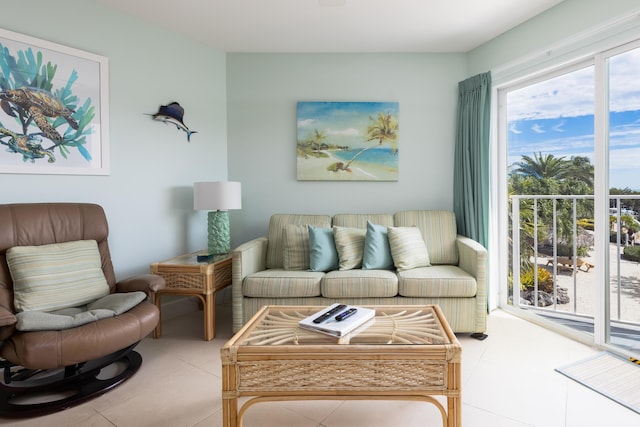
point(217, 196)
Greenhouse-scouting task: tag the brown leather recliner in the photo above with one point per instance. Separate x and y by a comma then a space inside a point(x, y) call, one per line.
point(67, 359)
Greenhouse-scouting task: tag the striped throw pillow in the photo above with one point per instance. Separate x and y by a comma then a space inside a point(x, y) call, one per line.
point(350, 246)
point(56, 276)
point(296, 247)
point(408, 250)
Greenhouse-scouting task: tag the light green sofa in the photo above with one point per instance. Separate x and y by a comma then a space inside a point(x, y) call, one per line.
point(456, 279)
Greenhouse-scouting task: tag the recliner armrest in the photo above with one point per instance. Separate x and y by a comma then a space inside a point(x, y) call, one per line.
point(7, 318)
point(7, 323)
point(147, 283)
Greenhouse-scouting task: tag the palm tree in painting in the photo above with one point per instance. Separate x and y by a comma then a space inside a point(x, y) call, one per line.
point(313, 145)
point(319, 137)
point(383, 129)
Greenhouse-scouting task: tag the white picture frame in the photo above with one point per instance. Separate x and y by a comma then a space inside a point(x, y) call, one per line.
point(55, 105)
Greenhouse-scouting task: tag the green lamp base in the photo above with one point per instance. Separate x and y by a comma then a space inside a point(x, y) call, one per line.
point(219, 239)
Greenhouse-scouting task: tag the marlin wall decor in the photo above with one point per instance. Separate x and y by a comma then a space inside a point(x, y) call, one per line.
point(173, 113)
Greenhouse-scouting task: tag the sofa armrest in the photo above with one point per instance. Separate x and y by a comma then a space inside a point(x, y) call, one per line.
point(147, 283)
point(248, 258)
point(473, 260)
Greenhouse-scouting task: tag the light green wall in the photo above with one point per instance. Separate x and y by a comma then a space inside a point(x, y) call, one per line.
point(566, 20)
point(263, 90)
point(243, 106)
point(148, 195)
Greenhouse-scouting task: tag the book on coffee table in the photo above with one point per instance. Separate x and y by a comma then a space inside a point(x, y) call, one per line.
point(339, 320)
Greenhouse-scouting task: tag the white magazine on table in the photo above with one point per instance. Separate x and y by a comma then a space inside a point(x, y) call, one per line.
point(337, 328)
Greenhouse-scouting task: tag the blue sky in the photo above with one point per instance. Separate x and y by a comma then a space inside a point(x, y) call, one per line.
point(556, 117)
point(344, 123)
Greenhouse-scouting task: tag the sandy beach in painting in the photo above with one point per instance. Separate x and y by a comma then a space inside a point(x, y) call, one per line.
point(315, 169)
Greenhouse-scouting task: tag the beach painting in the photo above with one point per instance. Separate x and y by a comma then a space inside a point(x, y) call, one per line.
point(347, 141)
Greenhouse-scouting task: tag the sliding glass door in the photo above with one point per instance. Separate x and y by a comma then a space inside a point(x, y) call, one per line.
point(572, 143)
point(623, 80)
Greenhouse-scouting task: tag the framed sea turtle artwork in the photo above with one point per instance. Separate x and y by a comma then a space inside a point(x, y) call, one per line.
point(347, 141)
point(53, 108)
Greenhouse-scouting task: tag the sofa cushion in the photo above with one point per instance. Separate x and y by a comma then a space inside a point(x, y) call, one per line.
point(277, 223)
point(296, 247)
point(407, 248)
point(323, 255)
point(377, 252)
point(55, 276)
point(437, 281)
point(279, 283)
point(350, 246)
point(359, 284)
point(438, 230)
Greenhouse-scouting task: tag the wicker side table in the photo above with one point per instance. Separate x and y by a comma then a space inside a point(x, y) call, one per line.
point(184, 275)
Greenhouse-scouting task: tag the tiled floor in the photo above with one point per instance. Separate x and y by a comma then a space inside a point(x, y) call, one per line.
point(508, 381)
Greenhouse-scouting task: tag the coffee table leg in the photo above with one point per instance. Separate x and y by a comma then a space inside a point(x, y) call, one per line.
point(230, 412)
point(229, 388)
point(454, 412)
point(454, 403)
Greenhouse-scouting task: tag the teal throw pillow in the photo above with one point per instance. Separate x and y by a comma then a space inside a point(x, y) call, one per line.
point(377, 252)
point(323, 255)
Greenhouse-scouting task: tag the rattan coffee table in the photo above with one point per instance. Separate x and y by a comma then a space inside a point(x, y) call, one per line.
point(409, 353)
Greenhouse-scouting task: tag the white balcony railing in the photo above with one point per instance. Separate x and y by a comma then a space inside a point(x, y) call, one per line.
point(572, 273)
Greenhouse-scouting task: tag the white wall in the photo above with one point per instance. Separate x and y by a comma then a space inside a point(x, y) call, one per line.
point(148, 195)
point(262, 92)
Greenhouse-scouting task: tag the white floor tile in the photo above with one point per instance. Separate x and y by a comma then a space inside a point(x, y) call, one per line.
point(508, 381)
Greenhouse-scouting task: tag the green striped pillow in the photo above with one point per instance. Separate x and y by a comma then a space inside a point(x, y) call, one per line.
point(408, 250)
point(56, 276)
point(296, 247)
point(350, 246)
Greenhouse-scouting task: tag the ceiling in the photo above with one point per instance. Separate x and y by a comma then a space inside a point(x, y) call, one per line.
point(336, 25)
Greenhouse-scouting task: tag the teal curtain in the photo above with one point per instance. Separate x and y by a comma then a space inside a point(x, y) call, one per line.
point(471, 161)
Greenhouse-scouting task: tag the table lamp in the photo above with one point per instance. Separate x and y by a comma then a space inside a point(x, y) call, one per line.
point(217, 198)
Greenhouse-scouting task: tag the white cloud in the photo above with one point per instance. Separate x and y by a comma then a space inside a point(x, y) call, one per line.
point(624, 158)
point(560, 146)
point(572, 94)
point(512, 129)
point(345, 132)
point(537, 128)
point(624, 86)
point(305, 123)
point(568, 95)
point(558, 127)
